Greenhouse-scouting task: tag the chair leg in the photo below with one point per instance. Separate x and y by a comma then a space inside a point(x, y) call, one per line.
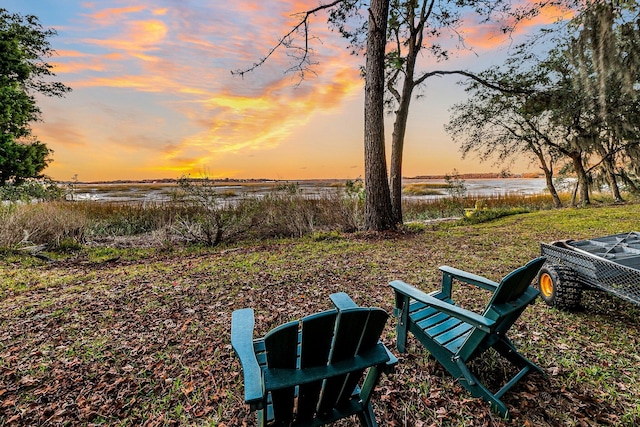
point(477, 389)
point(496, 404)
point(469, 381)
point(402, 329)
point(506, 348)
point(367, 417)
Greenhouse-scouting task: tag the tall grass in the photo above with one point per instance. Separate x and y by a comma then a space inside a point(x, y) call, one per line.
point(286, 212)
point(41, 223)
point(125, 219)
point(278, 214)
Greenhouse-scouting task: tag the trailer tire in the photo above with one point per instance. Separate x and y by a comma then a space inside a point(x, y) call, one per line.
point(559, 286)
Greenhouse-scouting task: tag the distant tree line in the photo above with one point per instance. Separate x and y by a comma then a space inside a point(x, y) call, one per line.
point(574, 110)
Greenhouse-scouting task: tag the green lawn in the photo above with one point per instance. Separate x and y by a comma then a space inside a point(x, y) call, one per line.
point(141, 337)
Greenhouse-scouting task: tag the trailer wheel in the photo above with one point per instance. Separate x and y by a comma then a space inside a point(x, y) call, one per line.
point(559, 286)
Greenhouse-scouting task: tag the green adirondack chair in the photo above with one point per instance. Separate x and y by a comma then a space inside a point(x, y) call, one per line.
point(308, 372)
point(455, 336)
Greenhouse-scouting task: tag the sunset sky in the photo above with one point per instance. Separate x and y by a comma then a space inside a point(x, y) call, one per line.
point(153, 96)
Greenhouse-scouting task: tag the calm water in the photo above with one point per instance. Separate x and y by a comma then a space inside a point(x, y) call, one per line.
point(489, 187)
point(160, 192)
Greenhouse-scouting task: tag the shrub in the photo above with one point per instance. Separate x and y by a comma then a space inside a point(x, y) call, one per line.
point(414, 227)
point(484, 215)
point(352, 205)
point(209, 218)
point(31, 189)
point(456, 186)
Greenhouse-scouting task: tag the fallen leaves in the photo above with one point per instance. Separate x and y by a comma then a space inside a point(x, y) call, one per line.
point(147, 342)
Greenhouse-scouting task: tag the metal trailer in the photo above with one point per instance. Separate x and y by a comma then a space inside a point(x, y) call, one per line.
point(610, 264)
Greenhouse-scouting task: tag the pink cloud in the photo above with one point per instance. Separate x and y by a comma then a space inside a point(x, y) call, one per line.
point(64, 131)
point(108, 16)
point(183, 59)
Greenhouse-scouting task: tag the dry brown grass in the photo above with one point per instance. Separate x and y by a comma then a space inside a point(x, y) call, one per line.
point(51, 222)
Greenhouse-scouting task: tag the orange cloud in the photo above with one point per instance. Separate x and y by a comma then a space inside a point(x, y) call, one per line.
point(107, 16)
point(83, 61)
point(239, 123)
point(138, 36)
point(549, 15)
point(179, 62)
point(77, 67)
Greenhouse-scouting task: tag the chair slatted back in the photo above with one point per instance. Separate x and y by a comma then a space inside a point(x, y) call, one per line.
point(320, 340)
point(282, 352)
point(314, 351)
point(509, 300)
point(516, 283)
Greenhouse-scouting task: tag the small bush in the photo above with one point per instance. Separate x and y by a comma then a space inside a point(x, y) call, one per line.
point(352, 205)
point(27, 191)
point(484, 215)
point(209, 220)
point(68, 245)
point(414, 227)
point(456, 186)
point(320, 236)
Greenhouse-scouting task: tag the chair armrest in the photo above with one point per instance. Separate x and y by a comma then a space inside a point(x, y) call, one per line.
point(242, 322)
point(342, 301)
point(474, 319)
point(473, 279)
point(393, 361)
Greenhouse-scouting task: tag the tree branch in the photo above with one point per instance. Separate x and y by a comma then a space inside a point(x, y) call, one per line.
point(478, 79)
point(286, 41)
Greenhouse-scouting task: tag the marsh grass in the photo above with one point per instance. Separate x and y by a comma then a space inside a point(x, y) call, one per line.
point(33, 224)
point(285, 211)
point(425, 189)
point(203, 216)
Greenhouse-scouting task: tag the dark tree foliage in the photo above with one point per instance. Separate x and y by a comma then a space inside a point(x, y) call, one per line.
point(578, 105)
point(24, 45)
point(21, 160)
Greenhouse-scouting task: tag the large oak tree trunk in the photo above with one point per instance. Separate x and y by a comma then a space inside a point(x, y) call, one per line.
point(378, 215)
